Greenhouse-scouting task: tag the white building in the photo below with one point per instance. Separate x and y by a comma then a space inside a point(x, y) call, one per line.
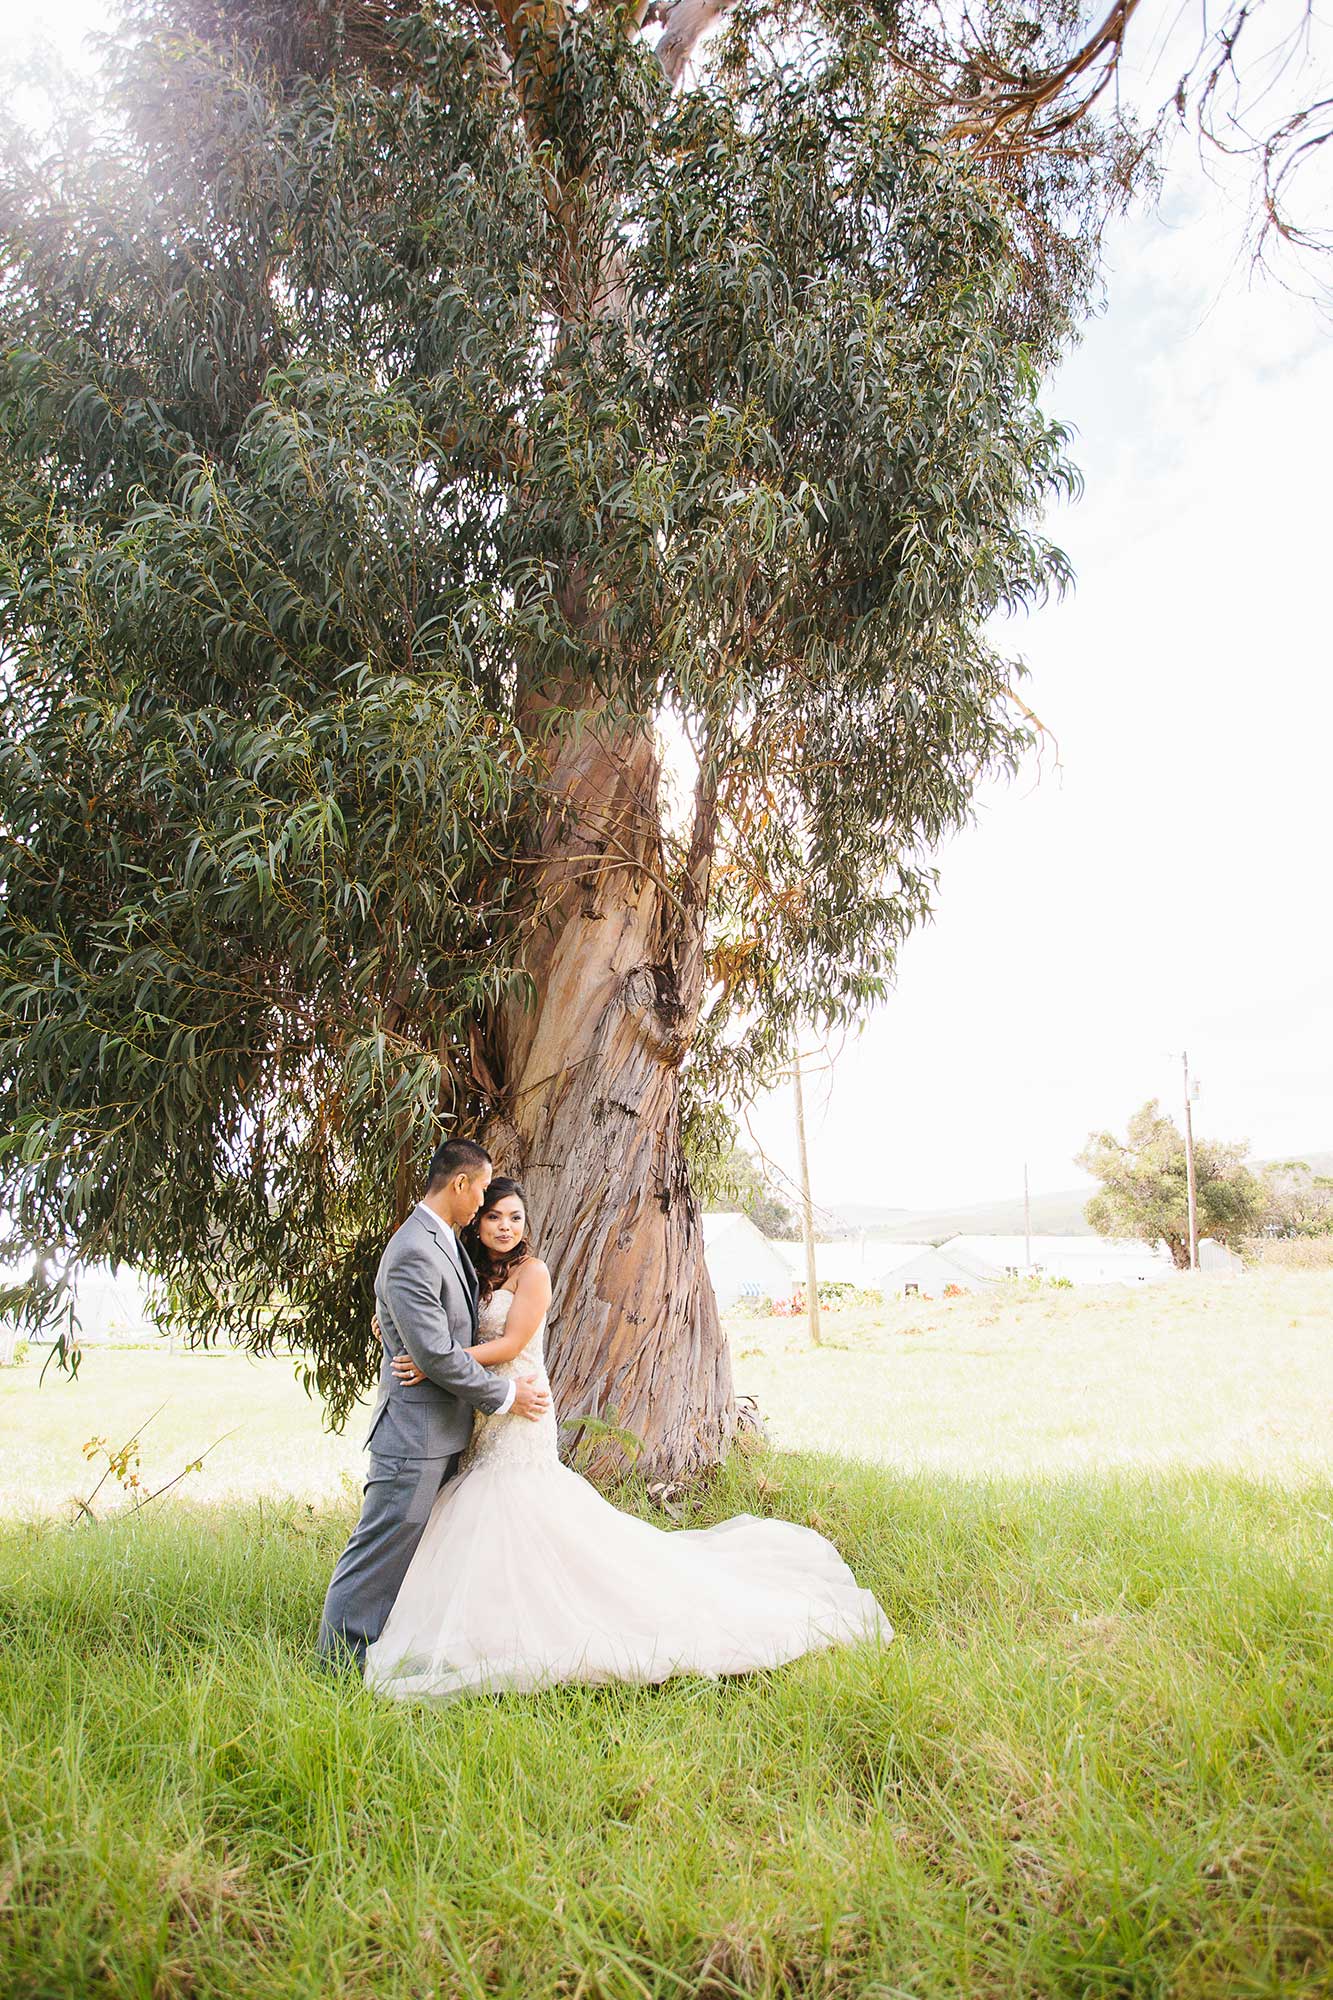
point(742, 1262)
point(971, 1262)
point(113, 1304)
point(109, 1305)
point(1083, 1260)
point(897, 1270)
point(920, 1270)
point(1216, 1257)
point(856, 1261)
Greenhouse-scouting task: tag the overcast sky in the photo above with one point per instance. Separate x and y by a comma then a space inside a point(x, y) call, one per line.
point(1167, 886)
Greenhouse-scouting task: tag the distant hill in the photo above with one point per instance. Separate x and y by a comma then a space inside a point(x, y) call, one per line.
point(1052, 1214)
point(1318, 1163)
point(854, 1216)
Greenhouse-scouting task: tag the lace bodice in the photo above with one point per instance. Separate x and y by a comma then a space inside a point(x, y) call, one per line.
point(510, 1437)
point(491, 1320)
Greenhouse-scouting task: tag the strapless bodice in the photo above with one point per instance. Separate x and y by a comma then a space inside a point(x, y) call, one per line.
point(511, 1439)
point(530, 1359)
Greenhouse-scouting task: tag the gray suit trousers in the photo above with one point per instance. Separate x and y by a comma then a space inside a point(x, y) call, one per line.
point(400, 1493)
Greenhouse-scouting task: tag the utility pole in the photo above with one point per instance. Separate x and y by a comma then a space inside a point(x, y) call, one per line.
point(1190, 1181)
point(807, 1213)
point(1027, 1222)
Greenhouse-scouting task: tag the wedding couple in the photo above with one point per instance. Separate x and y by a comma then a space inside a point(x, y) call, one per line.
point(480, 1562)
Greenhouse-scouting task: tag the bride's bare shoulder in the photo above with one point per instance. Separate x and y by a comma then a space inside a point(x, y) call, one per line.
point(532, 1276)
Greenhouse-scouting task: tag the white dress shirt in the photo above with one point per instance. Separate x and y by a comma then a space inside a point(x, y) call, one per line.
point(438, 1222)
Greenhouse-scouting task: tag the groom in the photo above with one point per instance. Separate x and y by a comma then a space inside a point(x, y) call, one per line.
point(426, 1302)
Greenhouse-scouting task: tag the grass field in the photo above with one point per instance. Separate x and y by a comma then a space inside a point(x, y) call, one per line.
point(1217, 1371)
point(1228, 1372)
point(269, 1435)
point(1097, 1759)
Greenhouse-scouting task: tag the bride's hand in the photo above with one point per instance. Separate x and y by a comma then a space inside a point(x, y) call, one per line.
point(405, 1368)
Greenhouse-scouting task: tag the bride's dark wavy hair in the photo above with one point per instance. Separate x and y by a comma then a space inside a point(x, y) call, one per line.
point(492, 1270)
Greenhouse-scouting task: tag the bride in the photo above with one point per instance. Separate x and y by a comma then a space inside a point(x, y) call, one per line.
point(526, 1576)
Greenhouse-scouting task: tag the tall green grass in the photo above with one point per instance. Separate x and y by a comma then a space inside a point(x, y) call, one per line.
point(1098, 1760)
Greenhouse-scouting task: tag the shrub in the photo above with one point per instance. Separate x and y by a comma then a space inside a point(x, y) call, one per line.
point(751, 1308)
point(1290, 1253)
point(834, 1296)
point(837, 1295)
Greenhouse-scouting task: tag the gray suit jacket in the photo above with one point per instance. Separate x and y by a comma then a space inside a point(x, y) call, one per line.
point(426, 1299)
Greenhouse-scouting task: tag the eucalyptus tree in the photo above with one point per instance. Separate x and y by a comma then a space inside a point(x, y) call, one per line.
point(501, 521)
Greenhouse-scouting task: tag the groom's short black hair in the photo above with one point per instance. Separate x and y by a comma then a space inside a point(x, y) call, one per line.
point(453, 1157)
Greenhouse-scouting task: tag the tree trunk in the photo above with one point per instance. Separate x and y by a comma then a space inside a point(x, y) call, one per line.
point(587, 1083)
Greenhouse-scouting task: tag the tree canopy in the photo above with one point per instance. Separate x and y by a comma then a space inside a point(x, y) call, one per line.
point(1144, 1190)
point(401, 411)
point(1298, 1201)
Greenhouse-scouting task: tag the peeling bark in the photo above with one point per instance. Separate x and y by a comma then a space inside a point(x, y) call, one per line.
point(589, 1118)
point(586, 1081)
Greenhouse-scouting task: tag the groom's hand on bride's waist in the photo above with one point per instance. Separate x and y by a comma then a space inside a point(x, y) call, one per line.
point(530, 1399)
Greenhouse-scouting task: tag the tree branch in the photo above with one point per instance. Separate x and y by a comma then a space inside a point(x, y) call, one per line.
point(686, 22)
point(515, 15)
point(1018, 97)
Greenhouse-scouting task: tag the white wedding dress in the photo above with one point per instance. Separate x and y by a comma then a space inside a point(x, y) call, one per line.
point(526, 1576)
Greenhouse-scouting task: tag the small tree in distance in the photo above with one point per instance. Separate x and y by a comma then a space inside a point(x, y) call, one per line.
point(744, 1190)
point(1297, 1200)
point(1145, 1194)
